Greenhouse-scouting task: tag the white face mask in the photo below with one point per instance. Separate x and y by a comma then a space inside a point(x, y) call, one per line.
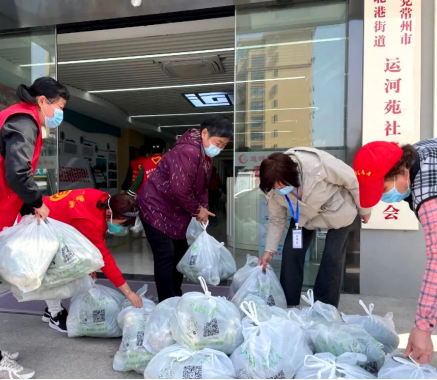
point(212, 150)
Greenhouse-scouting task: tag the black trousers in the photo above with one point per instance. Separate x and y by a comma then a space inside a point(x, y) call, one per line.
point(330, 276)
point(167, 253)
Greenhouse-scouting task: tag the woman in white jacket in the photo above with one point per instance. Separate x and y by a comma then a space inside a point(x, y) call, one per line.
point(321, 193)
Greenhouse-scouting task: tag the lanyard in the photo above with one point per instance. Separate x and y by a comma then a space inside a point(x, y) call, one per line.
point(295, 216)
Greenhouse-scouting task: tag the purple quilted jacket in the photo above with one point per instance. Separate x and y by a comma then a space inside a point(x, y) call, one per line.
point(178, 187)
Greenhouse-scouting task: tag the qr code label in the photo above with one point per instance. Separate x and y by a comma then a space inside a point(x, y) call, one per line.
point(140, 338)
point(166, 373)
point(280, 375)
point(211, 328)
point(192, 326)
point(192, 372)
point(243, 374)
point(83, 316)
point(193, 260)
point(99, 316)
point(67, 254)
point(271, 301)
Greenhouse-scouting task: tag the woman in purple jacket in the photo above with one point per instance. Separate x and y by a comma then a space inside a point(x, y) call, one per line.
point(177, 191)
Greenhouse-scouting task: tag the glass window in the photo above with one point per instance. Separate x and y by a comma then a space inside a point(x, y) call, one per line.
point(257, 122)
point(258, 61)
point(257, 136)
point(258, 75)
point(308, 42)
point(25, 57)
point(257, 92)
point(257, 105)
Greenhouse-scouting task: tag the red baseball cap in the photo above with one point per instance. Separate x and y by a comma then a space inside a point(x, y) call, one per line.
point(372, 162)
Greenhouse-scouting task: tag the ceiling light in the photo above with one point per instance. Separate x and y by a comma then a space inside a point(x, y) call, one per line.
point(191, 85)
point(127, 58)
point(136, 3)
point(221, 112)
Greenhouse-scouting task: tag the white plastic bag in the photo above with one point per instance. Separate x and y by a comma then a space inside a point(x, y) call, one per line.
point(204, 321)
point(381, 328)
point(72, 289)
point(132, 355)
point(26, 251)
point(264, 311)
point(76, 256)
point(95, 313)
point(398, 367)
point(271, 350)
point(338, 338)
point(202, 259)
point(157, 334)
point(263, 284)
point(242, 275)
point(179, 362)
point(137, 227)
point(319, 312)
point(194, 230)
point(227, 265)
point(327, 366)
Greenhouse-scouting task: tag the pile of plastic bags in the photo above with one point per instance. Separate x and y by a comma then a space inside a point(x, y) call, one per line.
point(273, 349)
point(27, 250)
point(203, 321)
point(95, 313)
point(253, 280)
point(132, 355)
point(207, 258)
point(56, 266)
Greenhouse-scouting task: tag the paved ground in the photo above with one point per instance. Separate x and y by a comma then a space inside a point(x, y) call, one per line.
point(54, 355)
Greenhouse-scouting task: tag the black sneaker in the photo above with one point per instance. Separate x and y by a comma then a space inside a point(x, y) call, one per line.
point(46, 316)
point(59, 323)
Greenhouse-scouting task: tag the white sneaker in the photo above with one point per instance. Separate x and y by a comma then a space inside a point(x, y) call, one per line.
point(10, 355)
point(10, 369)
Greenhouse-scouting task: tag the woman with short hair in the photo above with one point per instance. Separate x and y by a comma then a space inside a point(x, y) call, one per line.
point(321, 193)
point(177, 191)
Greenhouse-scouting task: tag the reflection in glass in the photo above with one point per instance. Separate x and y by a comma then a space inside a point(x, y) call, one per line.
point(290, 72)
point(25, 57)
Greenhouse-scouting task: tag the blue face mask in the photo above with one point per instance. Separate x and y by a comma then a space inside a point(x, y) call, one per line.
point(56, 120)
point(395, 196)
point(212, 150)
point(115, 229)
point(285, 190)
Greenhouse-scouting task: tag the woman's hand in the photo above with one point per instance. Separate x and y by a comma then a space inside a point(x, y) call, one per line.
point(265, 259)
point(203, 215)
point(42, 212)
point(365, 218)
point(135, 299)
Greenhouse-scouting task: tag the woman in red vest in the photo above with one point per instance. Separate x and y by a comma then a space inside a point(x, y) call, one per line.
point(21, 132)
point(21, 125)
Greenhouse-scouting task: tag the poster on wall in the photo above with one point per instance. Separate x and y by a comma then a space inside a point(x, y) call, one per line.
point(74, 173)
point(391, 90)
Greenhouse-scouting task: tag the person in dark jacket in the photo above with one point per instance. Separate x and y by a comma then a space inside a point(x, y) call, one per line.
point(177, 191)
point(41, 105)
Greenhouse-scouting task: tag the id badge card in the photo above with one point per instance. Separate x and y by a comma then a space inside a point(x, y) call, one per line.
point(297, 238)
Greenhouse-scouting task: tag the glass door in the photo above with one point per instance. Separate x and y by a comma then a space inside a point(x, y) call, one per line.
point(290, 65)
point(25, 57)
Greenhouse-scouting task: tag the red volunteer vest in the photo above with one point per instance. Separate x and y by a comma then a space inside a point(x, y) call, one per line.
point(150, 164)
point(137, 165)
point(10, 203)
